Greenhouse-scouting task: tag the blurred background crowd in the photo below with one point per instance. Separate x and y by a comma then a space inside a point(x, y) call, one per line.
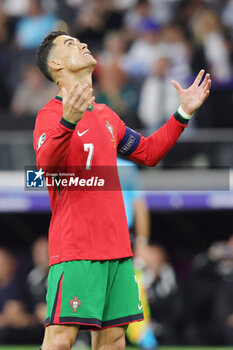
point(140, 45)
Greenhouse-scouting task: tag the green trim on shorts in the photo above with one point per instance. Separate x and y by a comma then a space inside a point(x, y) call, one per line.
point(93, 294)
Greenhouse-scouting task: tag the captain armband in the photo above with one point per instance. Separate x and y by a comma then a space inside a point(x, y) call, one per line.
point(129, 142)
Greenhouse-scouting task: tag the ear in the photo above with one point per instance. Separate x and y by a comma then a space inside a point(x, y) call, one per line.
point(55, 65)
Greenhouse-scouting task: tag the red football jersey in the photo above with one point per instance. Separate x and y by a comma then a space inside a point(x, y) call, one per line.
point(91, 224)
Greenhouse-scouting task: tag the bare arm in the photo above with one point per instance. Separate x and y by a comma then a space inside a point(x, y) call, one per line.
point(142, 221)
point(150, 150)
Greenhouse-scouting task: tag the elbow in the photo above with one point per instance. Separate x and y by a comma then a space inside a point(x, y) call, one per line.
point(46, 164)
point(152, 162)
point(146, 160)
point(42, 165)
point(152, 159)
point(41, 162)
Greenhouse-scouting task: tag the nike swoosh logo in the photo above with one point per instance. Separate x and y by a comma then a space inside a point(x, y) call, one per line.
point(139, 307)
point(82, 133)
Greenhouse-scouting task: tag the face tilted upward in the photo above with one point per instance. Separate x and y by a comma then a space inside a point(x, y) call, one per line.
point(71, 54)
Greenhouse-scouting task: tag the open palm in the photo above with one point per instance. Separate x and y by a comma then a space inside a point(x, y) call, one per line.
point(194, 96)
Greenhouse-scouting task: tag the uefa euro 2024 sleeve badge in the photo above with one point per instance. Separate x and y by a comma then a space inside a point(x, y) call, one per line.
point(75, 303)
point(41, 140)
point(111, 130)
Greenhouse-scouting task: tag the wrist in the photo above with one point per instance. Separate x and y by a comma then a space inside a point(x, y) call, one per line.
point(182, 116)
point(67, 123)
point(184, 113)
point(70, 121)
point(141, 240)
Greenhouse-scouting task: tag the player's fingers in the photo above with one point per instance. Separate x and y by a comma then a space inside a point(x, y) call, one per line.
point(199, 77)
point(72, 91)
point(80, 94)
point(206, 94)
point(85, 95)
point(86, 104)
point(208, 85)
point(64, 94)
point(205, 81)
point(91, 100)
point(177, 86)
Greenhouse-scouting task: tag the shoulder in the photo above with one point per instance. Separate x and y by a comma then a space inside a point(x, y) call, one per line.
point(52, 108)
point(54, 104)
point(105, 111)
point(48, 117)
point(102, 107)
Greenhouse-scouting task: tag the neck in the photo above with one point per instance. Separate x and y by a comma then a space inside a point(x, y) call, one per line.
point(82, 77)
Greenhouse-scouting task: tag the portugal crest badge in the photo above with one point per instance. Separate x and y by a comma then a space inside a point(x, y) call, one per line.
point(111, 130)
point(75, 303)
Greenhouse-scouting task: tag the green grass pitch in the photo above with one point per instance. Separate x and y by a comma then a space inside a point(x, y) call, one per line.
point(15, 347)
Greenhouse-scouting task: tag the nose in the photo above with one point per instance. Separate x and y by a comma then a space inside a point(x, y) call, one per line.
point(84, 46)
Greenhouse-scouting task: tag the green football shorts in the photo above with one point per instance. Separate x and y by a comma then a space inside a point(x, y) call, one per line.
point(93, 294)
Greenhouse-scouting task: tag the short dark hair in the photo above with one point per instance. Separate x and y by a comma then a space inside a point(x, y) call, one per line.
point(43, 52)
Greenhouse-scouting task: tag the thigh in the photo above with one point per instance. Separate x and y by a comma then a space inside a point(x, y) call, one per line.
point(110, 338)
point(58, 335)
point(123, 304)
point(76, 293)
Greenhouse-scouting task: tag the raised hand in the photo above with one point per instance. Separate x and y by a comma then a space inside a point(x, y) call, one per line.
point(76, 101)
point(194, 96)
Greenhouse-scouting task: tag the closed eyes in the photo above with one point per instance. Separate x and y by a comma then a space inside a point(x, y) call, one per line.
point(71, 42)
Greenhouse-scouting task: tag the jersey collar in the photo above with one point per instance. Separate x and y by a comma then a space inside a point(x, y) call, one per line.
point(89, 109)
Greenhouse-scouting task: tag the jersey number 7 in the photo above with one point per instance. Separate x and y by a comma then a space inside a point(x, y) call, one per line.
point(89, 147)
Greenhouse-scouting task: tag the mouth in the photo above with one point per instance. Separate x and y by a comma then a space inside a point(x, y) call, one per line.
point(87, 53)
